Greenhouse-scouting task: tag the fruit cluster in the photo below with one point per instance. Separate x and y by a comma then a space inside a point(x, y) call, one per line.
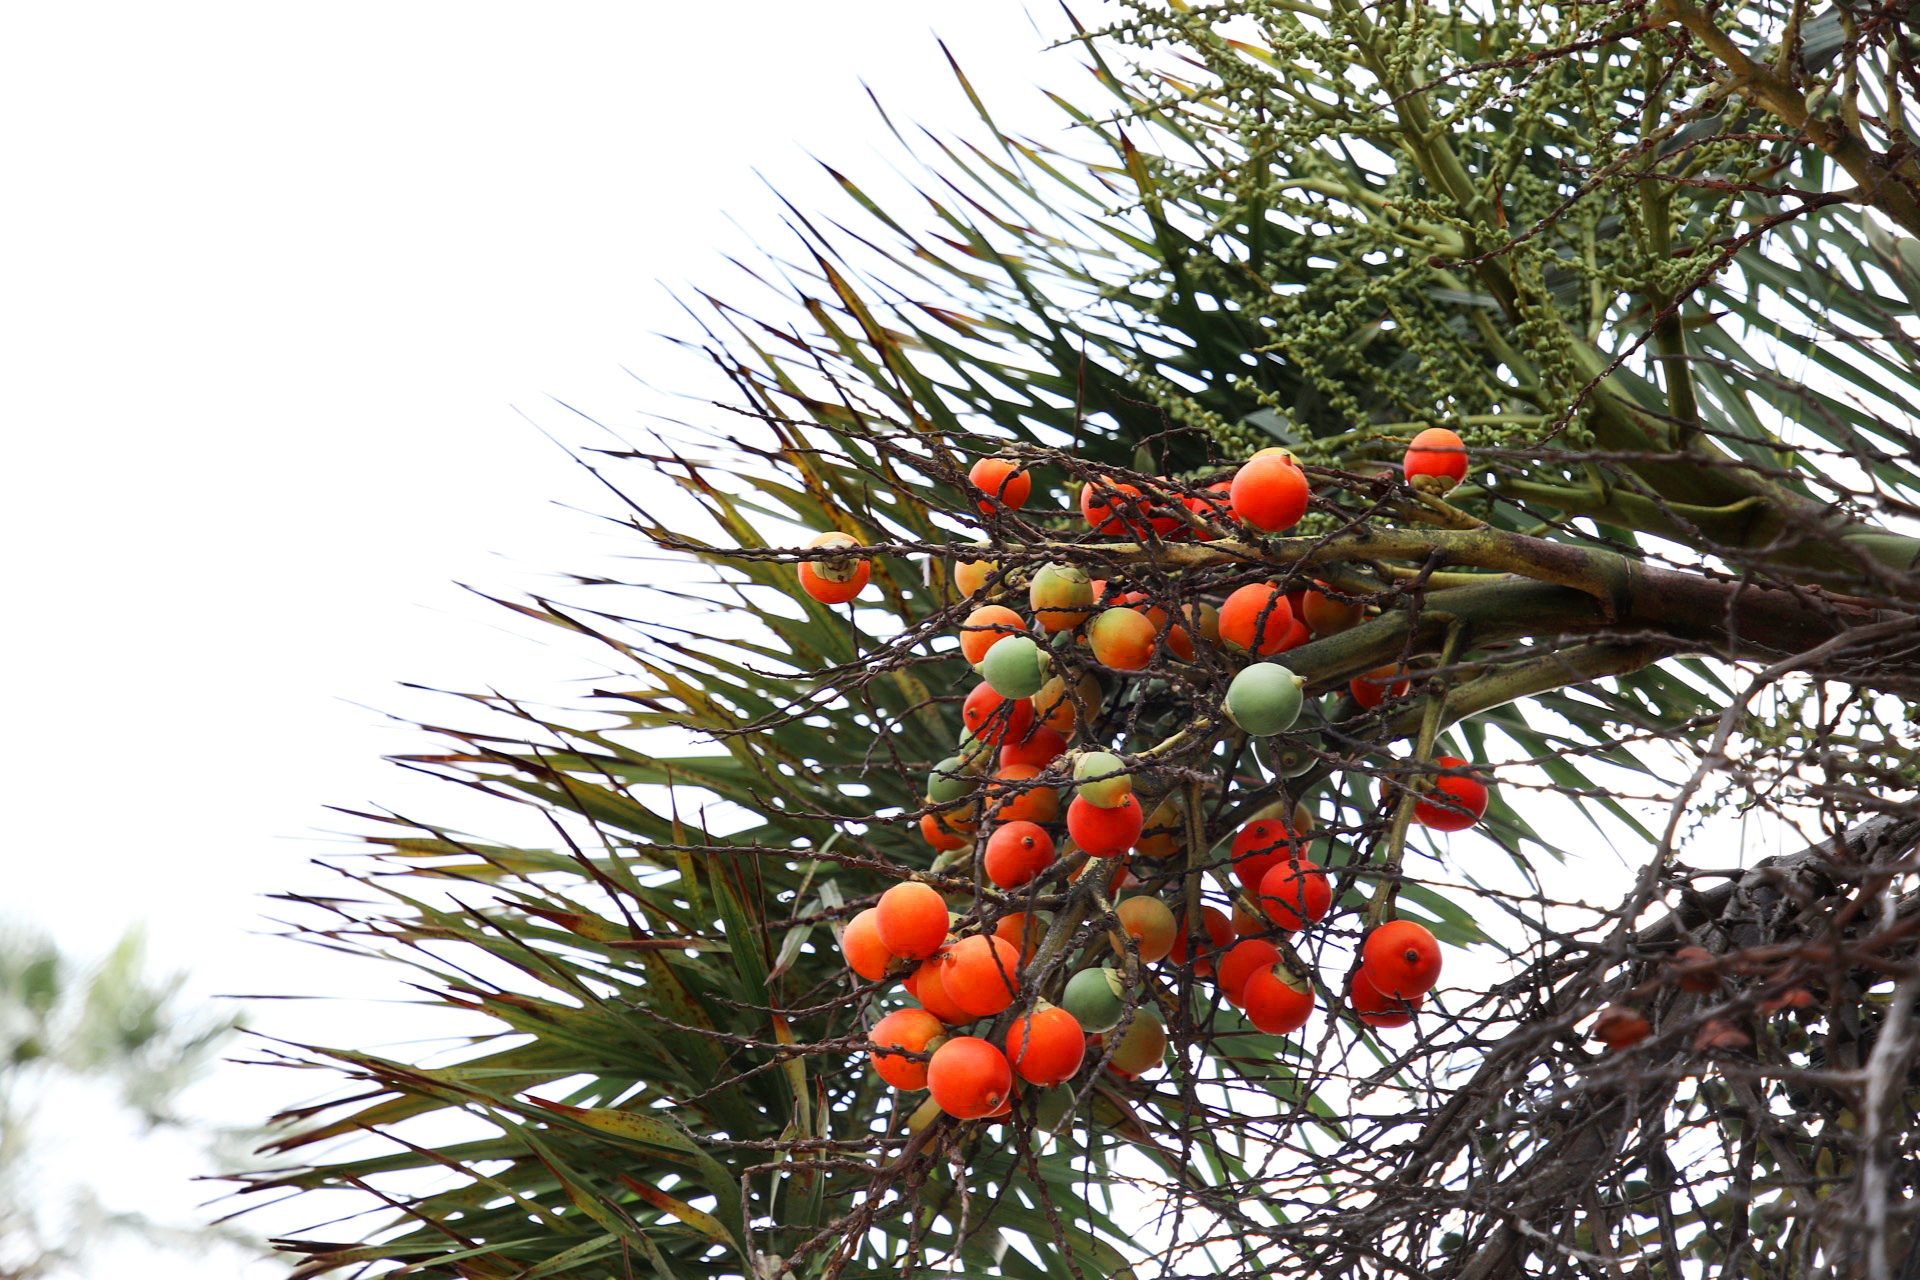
point(1041, 720)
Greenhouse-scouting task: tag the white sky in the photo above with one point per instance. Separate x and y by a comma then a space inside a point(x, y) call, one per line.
point(277, 282)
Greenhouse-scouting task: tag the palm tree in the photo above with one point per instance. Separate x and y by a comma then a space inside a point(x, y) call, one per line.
point(114, 1044)
point(1657, 267)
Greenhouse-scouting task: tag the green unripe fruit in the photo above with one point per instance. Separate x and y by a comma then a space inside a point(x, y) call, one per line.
point(1103, 779)
point(1015, 667)
point(949, 780)
point(1265, 699)
point(1095, 997)
point(975, 755)
point(1052, 1107)
point(1285, 759)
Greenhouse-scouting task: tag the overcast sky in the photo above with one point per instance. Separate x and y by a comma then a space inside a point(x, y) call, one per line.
point(286, 291)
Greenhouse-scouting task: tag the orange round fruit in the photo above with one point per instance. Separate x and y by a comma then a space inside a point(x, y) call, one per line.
point(940, 833)
point(1269, 492)
point(1040, 748)
point(1023, 930)
point(1164, 831)
point(1122, 638)
point(1458, 799)
point(1256, 619)
point(930, 990)
point(988, 623)
point(969, 1078)
point(981, 974)
point(1060, 708)
point(909, 1029)
point(1104, 832)
point(996, 720)
point(1060, 596)
point(970, 576)
point(1214, 505)
point(860, 944)
point(1047, 1046)
point(1376, 686)
point(1244, 959)
point(911, 919)
point(1017, 852)
point(1376, 1009)
point(1117, 510)
point(1014, 796)
point(1150, 921)
point(1003, 480)
point(1436, 452)
point(1619, 1025)
point(1401, 959)
point(1325, 615)
point(1294, 894)
point(1219, 930)
point(838, 579)
point(1276, 1001)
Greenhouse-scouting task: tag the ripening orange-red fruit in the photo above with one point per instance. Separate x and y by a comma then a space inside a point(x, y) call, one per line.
point(1060, 596)
point(1244, 959)
point(969, 1078)
point(970, 576)
point(1269, 492)
point(836, 580)
point(1247, 921)
point(1142, 1048)
point(988, 623)
point(1214, 505)
point(1046, 1046)
point(909, 1029)
point(1163, 834)
point(1040, 748)
point(1117, 510)
point(1000, 478)
point(1457, 801)
point(930, 990)
point(1150, 922)
point(1104, 831)
point(941, 833)
point(1297, 634)
point(1017, 852)
point(1256, 619)
point(1401, 958)
point(860, 944)
point(1023, 930)
point(1061, 708)
point(1374, 687)
point(1619, 1025)
point(981, 974)
point(1014, 796)
point(1276, 1001)
point(1122, 638)
point(1695, 969)
point(1294, 894)
point(1325, 615)
point(1376, 1009)
point(911, 919)
point(996, 720)
point(1436, 452)
point(1219, 931)
point(1257, 848)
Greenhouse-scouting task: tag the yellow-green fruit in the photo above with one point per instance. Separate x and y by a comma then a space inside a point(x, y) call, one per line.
point(1015, 667)
point(1102, 779)
point(949, 780)
point(1264, 699)
point(1061, 596)
point(1143, 1047)
point(1095, 997)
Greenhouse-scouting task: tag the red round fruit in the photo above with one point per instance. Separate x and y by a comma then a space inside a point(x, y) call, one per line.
point(940, 833)
point(909, 1029)
point(1047, 1046)
point(911, 919)
point(1246, 958)
point(1436, 452)
point(1118, 510)
point(1256, 619)
point(981, 974)
point(1401, 959)
point(1294, 894)
point(860, 944)
point(1102, 831)
point(1276, 1001)
point(1458, 801)
point(929, 990)
point(1040, 748)
point(1376, 1009)
point(1017, 852)
point(1215, 506)
point(1620, 1025)
point(1219, 930)
point(1269, 492)
point(982, 712)
point(1376, 686)
point(969, 1077)
point(1257, 848)
point(1000, 478)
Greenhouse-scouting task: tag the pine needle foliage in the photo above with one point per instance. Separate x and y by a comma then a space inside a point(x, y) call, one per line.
point(1658, 267)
